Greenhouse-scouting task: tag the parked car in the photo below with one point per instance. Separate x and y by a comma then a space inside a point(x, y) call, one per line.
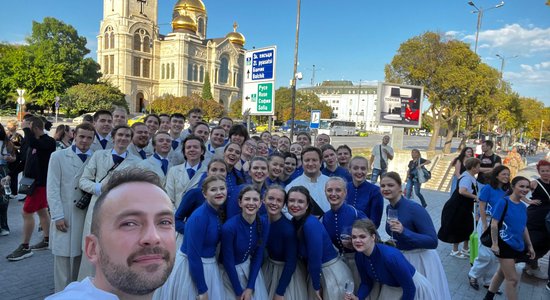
point(140, 118)
point(80, 118)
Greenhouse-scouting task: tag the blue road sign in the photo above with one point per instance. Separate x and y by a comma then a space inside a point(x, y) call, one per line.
point(262, 65)
point(315, 119)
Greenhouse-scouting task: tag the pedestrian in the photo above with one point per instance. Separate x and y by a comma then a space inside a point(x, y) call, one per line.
point(16, 166)
point(65, 168)
point(457, 215)
point(415, 166)
point(385, 272)
point(486, 264)
point(458, 164)
point(63, 136)
point(7, 155)
point(39, 148)
point(132, 240)
point(488, 160)
point(511, 241)
point(381, 154)
point(414, 234)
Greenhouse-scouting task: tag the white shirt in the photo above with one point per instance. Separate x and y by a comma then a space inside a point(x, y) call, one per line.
point(316, 190)
point(376, 153)
point(82, 290)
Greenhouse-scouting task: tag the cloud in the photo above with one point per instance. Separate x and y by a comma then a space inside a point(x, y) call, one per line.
point(514, 38)
point(536, 74)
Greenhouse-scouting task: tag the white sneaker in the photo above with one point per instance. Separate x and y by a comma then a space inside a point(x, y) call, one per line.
point(4, 232)
point(536, 273)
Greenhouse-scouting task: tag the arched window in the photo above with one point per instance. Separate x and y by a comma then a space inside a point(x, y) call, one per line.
point(146, 44)
point(201, 74)
point(173, 70)
point(112, 40)
point(190, 72)
point(162, 71)
point(106, 41)
point(201, 26)
point(137, 42)
point(224, 70)
point(195, 73)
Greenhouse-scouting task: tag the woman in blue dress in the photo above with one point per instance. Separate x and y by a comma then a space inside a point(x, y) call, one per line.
point(385, 272)
point(196, 274)
point(414, 234)
point(362, 194)
point(243, 242)
point(328, 274)
point(276, 163)
point(283, 279)
point(511, 241)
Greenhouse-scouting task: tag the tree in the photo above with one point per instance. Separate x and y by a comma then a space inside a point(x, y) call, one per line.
point(86, 97)
point(171, 104)
point(206, 88)
point(305, 102)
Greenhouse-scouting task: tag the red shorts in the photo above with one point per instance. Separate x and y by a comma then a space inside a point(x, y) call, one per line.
point(36, 201)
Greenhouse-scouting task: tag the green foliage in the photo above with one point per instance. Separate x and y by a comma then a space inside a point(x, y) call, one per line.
point(206, 88)
point(171, 104)
point(85, 97)
point(53, 61)
point(305, 102)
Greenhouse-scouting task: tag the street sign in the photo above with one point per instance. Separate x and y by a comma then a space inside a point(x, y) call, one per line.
point(21, 99)
point(315, 119)
point(259, 81)
point(57, 102)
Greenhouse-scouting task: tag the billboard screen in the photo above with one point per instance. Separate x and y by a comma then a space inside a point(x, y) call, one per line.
point(400, 105)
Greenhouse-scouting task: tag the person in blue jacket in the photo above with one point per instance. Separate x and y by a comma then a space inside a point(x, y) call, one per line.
point(327, 272)
point(276, 163)
point(362, 194)
point(385, 272)
point(283, 279)
point(414, 234)
point(194, 198)
point(196, 274)
point(243, 242)
point(257, 175)
point(331, 166)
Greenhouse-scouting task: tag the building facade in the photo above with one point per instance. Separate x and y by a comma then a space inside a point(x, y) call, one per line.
point(349, 102)
point(146, 64)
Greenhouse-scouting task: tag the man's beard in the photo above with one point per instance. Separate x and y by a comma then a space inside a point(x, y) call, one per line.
point(131, 282)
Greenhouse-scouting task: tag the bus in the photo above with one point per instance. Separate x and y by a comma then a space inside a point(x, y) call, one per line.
point(336, 127)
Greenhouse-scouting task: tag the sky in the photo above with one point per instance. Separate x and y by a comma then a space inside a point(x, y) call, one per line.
point(345, 40)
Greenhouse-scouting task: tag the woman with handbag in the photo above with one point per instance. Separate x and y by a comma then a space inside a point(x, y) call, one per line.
point(510, 238)
point(538, 213)
point(416, 165)
point(486, 264)
point(458, 164)
point(456, 218)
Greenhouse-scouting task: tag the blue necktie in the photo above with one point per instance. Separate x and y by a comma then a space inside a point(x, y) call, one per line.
point(191, 173)
point(163, 163)
point(82, 156)
point(117, 159)
point(175, 144)
point(103, 143)
point(142, 153)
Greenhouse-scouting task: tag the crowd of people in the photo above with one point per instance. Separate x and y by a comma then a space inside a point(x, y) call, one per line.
point(220, 214)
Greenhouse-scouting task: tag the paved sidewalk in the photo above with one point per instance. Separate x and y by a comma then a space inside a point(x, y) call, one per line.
point(32, 278)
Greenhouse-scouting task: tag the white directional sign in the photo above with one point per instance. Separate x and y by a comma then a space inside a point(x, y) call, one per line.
point(259, 81)
point(20, 100)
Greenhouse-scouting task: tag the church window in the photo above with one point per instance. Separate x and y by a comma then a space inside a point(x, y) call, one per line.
point(224, 70)
point(162, 71)
point(146, 67)
point(106, 64)
point(201, 26)
point(201, 74)
point(239, 80)
point(190, 72)
point(112, 40)
point(195, 73)
point(173, 70)
point(137, 67)
point(106, 41)
point(137, 42)
point(111, 64)
point(216, 73)
point(146, 44)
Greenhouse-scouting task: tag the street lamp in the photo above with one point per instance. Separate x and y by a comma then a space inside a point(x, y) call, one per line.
point(502, 60)
point(480, 11)
point(540, 134)
point(295, 73)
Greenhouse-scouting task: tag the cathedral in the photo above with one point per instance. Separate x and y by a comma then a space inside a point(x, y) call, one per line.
point(145, 64)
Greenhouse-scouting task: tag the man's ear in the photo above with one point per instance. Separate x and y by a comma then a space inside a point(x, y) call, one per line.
point(92, 248)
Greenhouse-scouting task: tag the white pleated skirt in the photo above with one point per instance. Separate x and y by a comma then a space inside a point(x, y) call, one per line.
point(296, 289)
point(427, 263)
point(243, 271)
point(334, 275)
point(180, 284)
point(424, 290)
point(349, 259)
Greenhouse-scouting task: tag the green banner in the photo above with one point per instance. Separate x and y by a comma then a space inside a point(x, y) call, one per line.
point(265, 97)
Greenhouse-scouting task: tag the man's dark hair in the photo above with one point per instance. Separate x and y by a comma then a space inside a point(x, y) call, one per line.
point(27, 116)
point(136, 124)
point(164, 115)
point(36, 122)
point(327, 147)
point(239, 129)
point(101, 112)
point(344, 147)
point(118, 127)
point(200, 123)
point(305, 134)
point(217, 128)
point(153, 140)
point(177, 116)
point(88, 118)
point(193, 137)
point(489, 143)
point(225, 118)
point(84, 126)
point(117, 179)
point(152, 116)
point(312, 149)
point(194, 110)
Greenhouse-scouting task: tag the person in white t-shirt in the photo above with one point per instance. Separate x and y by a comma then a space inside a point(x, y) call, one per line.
point(380, 158)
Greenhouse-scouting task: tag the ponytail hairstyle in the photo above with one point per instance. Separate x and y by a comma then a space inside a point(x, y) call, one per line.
point(514, 182)
point(259, 228)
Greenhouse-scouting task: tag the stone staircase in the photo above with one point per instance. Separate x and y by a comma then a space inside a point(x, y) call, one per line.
point(442, 173)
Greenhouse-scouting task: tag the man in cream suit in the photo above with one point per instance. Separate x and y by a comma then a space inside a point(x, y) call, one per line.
point(103, 124)
point(214, 146)
point(98, 171)
point(159, 162)
point(140, 146)
point(64, 171)
point(177, 122)
point(186, 176)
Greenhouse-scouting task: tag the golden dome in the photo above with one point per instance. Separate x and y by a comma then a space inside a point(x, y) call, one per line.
point(190, 6)
point(235, 37)
point(184, 23)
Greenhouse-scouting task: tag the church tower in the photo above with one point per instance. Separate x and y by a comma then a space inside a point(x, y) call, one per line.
point(127, 41)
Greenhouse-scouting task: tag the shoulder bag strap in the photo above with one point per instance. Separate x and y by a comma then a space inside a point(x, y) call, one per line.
point(111, 169)
point(543, 188)
point(381, 158)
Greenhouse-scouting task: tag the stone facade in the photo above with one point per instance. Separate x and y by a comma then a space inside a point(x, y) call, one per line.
point(145, 64)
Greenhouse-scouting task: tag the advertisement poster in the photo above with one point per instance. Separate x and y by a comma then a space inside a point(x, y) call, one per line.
point(400, 105)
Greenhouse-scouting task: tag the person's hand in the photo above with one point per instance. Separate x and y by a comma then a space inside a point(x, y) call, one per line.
point(495, 249)
point(246, 295)
point(531, 252)
point(277, 297)
point(533, 201)
point(396, 226)
point(202, 296)
point(350, 297)
point(61, 225)
point(318, 295)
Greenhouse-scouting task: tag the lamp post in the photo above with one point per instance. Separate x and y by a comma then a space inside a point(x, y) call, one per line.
point(294, 73)
point(502, 61)
point(479, 11)
point(540, 133)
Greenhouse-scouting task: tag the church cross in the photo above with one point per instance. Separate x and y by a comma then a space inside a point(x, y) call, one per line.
point(142, 2)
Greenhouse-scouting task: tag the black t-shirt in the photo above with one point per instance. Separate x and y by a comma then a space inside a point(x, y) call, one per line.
point(487, 162)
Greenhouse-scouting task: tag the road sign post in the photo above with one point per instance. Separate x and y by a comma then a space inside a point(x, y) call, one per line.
point(56, 107)
point(259, 81)
point(20, 104)
point(315, 119)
